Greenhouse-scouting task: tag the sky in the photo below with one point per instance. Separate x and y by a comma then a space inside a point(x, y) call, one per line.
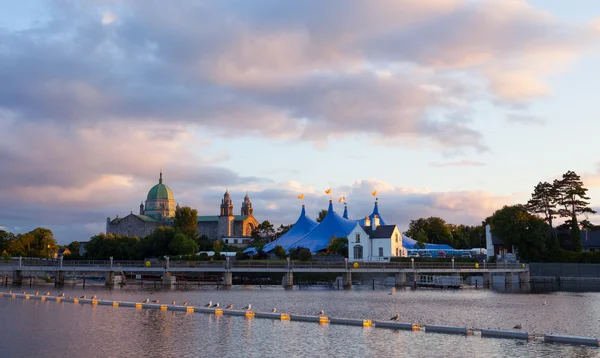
point(449, 108)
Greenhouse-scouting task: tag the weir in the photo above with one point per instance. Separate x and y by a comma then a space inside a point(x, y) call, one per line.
point(549, 338)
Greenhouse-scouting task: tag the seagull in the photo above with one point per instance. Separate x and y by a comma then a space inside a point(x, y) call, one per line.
point(62, 295)
point(274, 309)
point(395, 317)
point(518, 326)
point(208, 304)
point(248, 308)
point(185, 303)
point(229, 307)
point(173, 303)
point(93, 297)
point(216, 305)
point(390, 293)
point(155, 301)
point(47, 293)
point(23, 293)
point(147, 300)
point(84, 296)
point(37, 293)
point(10, 292)
point(544, 303)
point(321, 313)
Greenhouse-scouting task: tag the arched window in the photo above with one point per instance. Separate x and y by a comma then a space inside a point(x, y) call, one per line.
point(358, 252)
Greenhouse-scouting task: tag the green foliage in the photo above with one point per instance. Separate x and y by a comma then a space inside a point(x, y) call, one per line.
point(265, 232)
point(435, 229)
point(321, 215)
point(186, 221)
point(157, 243)
point(514, 226)
point(6, 256)
point(102, 246)
point(240, 255)
point(279, 251)
point(39, 242)
point(204, 243)
point(217, 246)
point(338, 245)
point(182, 245)
point(573, 201)
point(304, 254)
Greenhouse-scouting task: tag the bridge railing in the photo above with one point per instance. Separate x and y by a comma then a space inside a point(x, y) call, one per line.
point(266, 264)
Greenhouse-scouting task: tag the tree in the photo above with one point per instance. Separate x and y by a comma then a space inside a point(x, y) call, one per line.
point(543, 201)
point(572, 200)
point(338, 245)
point(321, 215)
point(186, 221)
point(435, 229)
point(157, 243)
point(217, 246)
point(182, 245)
point(102, 246)
point(5, 238)
point(279, 251)
point(263, 232)
point(514, 226)
point(282, 229)
point(74, 249)
point(304, 254)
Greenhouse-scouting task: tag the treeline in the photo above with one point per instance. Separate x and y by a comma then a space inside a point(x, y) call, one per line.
point(530, 227)
point(435, 230)
point(181, 239)
point(39, 242)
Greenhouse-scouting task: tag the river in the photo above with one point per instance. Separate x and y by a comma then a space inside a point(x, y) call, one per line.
point(49, 329)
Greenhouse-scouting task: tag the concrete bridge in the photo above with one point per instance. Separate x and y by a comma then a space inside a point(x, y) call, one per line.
point(168, 270)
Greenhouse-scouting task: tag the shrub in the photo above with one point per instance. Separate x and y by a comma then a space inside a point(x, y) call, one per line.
point(280, 252)
point(304, 254)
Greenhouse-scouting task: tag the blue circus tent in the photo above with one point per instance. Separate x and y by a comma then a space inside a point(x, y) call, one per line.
point(361, 222)
point(303, 226)
point(332, 225)
point(412, 244)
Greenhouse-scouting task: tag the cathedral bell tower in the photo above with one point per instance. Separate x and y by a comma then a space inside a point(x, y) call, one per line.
point(226, 205)
point(246, 206)
point(226, 219)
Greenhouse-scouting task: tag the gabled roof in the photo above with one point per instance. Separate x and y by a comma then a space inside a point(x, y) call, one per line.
point(380, 232)
point(303, 226)
point(332, 225)
point(209, 218)
point(361, 222)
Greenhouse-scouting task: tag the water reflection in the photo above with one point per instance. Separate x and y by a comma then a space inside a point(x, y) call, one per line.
point(64, 329)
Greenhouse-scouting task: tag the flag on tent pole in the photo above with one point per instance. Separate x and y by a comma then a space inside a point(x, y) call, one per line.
point(328, 191)
point(374, 193)
point(301, 196)
point(343, 198)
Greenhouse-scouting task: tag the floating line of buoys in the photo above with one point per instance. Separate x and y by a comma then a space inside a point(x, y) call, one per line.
point(321, 319)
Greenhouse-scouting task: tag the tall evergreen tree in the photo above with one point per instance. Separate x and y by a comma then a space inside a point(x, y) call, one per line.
point(543, 201)
point(572, 201)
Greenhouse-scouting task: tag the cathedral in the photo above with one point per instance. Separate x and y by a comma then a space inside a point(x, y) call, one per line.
point(159, 210)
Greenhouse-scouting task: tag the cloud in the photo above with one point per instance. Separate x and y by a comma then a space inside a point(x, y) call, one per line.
point(460, 163)
point(281, 71)
point(520, 118)
point(97, 96)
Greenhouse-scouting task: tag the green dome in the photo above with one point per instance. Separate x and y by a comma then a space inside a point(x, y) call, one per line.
point(160, 192)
